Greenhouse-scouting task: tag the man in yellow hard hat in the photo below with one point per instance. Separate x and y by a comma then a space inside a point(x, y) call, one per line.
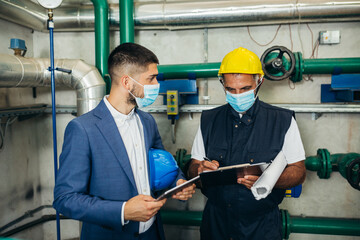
point(246, 130)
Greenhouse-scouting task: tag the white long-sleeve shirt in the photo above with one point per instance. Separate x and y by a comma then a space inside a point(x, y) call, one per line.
point(132, 134)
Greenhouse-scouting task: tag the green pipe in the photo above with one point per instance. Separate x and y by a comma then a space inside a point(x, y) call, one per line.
point(126, 21)
point(101, 10)
point(331, 65)
point(332, 226)
point(184, 218)
point(328, 226)
point(304, 66)
point(350, 227)
point(181, 71)
point(324, 163)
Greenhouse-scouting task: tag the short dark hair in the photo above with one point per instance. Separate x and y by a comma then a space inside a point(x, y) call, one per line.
point(130, 57)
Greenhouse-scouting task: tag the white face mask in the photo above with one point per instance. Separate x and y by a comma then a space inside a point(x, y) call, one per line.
point(150, 94)
point(243, 101)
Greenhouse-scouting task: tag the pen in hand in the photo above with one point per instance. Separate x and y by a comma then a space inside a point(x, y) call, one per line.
point(215, 164)
point(207, 159)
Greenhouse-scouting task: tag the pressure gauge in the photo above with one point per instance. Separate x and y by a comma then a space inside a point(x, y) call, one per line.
point(50, 4)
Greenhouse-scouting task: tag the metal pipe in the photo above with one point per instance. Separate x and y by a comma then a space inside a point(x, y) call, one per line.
point(186, 15)
point(184, 218)
point(53, 112)
point(16, 71)
point(27, 214)
point(333, 226)
point(181, 71)
point(312, 225)
point(127, 21)
point(41, 220)
point(331, 65)
point(349, 227)
point(102, 39)
point(308, 66)
point(324, 163)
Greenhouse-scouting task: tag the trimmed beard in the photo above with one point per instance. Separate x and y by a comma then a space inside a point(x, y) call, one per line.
point(131, 100)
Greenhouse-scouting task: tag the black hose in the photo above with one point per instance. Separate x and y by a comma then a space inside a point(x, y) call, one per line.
point(41, 220)
point(26, 215)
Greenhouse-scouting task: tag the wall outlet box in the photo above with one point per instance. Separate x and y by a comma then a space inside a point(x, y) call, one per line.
point(329, 37)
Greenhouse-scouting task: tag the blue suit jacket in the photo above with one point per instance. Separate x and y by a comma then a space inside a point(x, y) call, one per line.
point(95, 175)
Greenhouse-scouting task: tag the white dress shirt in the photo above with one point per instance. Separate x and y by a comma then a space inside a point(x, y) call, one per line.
point(132, 134)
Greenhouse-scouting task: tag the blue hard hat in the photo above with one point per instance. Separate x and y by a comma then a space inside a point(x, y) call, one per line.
point(163, 169)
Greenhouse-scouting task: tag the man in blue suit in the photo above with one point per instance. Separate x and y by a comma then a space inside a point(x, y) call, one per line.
point(103, 178)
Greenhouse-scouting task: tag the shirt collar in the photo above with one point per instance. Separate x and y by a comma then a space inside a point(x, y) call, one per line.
point(118, 116)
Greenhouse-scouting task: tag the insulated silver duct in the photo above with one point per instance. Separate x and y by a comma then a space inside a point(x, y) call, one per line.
point(185, 15)
point(16, 71)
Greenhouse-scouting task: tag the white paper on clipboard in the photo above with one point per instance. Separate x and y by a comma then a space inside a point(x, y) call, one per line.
point(177, 189)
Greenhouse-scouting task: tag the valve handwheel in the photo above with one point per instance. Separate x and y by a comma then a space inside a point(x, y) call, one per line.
point(277, 64)
point(353, 173)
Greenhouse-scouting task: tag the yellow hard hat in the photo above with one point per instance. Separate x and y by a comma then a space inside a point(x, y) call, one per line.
point(241, 60)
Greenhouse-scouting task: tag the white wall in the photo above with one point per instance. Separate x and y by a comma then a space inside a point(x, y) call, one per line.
point(33, 165)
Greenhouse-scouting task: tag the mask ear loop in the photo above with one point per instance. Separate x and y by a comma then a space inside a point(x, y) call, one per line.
point(137, 83)
point(221, 80)
point(259, 83)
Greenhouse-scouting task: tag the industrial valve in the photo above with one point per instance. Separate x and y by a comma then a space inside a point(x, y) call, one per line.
point(347, 164)
point(280, 63)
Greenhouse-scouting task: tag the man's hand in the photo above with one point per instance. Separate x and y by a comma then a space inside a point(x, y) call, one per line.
point(141, 208)
point(196, 167)
point(248, 180)
point(186, 193)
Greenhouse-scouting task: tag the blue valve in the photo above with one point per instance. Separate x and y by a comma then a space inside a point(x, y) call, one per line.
point(16, 43)
point(293, 192)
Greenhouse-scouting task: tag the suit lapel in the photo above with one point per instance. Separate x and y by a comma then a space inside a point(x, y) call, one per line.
point(145, 122)
point(109, 130)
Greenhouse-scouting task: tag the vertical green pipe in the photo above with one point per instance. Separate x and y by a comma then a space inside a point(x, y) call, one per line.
point(126, 21)
point(101, 10)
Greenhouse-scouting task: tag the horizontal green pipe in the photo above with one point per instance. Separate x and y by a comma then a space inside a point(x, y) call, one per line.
point(310, 66)
point(185, 218)
point(349, 227)
point(331, 65)
point(181, 71)
point(313, 163)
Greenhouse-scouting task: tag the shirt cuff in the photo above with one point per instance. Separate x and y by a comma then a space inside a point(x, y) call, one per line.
point(197, 157)
point(122, 215)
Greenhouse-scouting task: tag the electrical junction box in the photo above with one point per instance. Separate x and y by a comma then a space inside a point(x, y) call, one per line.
point(172, 97)
point(329, 37)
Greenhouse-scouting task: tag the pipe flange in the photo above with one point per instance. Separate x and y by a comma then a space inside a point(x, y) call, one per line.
point(285, 223)
point(301, 66)
point(326, 167)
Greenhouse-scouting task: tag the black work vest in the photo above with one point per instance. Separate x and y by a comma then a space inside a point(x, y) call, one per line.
point(256, 137)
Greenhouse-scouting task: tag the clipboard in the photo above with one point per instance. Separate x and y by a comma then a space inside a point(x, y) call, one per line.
point(229, 174)
point(177, 189)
